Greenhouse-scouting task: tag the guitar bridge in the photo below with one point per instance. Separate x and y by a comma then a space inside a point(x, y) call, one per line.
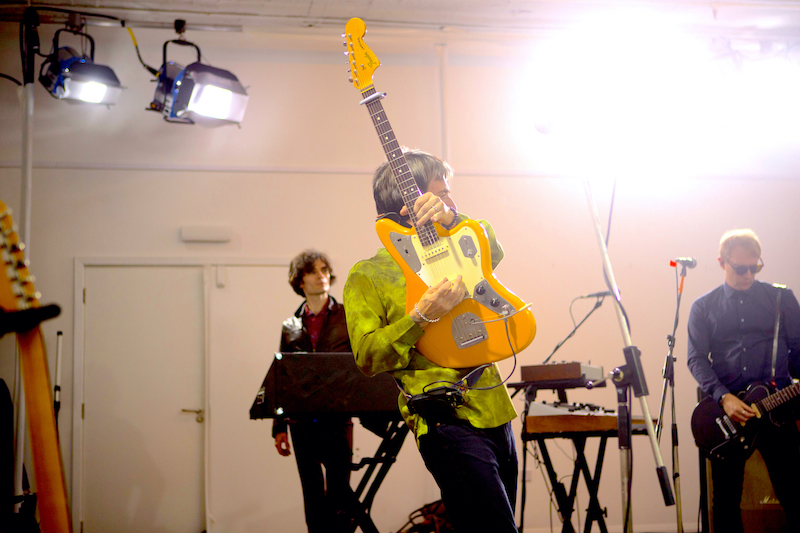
point(468, 330)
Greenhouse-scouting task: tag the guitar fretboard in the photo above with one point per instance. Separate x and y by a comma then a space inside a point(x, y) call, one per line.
point(397, 161)
point(779, 398)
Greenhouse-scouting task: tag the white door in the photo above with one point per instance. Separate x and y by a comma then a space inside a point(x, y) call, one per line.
point(253, 488)
point(143, 366)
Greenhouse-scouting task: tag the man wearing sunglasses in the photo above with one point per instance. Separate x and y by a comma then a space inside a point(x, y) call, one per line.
point(731, 337)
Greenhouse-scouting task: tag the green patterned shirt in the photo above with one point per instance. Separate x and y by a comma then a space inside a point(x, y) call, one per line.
point(383, 337)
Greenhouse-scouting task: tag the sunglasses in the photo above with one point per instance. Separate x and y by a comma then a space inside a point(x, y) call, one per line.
point(742, 269)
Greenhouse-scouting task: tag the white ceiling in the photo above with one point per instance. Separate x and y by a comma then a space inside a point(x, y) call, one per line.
point(743, 17)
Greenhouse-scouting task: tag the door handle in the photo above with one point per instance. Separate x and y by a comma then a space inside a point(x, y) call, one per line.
point(198, 412)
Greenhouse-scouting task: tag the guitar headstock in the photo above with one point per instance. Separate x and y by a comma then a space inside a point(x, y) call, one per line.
point(16, 287)
point(360, 58)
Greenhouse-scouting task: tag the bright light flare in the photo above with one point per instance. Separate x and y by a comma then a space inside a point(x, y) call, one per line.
point(90, 91)
point(638, 98)
point(210, 101)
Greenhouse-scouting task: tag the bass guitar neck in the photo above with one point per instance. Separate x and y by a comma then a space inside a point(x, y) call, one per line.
point(17, 293)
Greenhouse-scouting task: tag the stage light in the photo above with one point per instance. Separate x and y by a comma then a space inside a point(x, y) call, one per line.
point(69, 75)
point(198, 93)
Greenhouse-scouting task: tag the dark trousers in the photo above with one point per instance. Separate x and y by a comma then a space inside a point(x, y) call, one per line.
point(779, 447)
point(326, 443)
point(476, 470)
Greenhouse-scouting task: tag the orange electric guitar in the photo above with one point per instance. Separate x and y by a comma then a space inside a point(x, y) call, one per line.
point(17, 293)
point(491, 323)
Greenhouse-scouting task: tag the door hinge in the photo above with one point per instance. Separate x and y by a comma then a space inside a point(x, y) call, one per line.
point(83, 411)
point(84, 295)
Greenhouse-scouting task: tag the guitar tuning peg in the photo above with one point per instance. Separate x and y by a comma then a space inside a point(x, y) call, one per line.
point(350, 80)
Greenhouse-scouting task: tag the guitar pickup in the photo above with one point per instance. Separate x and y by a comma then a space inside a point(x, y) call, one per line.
point(721, 424)
point(727, 427)
point(468, 246)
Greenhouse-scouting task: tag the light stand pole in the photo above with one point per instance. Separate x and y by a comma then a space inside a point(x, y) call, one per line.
point(30, 46)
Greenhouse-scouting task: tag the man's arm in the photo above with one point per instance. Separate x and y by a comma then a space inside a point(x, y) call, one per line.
point(279, 424)
point(791, 325)
point(698, 349)
point(494, 245)
point(378, 344)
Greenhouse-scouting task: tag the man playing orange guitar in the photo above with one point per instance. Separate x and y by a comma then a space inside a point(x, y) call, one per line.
point(460, 416)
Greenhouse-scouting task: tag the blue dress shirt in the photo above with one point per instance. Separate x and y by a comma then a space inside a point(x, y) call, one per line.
point(731, 335)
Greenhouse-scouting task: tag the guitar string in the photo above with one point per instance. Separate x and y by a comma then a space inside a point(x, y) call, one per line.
point(428, 230)
point(426, 233)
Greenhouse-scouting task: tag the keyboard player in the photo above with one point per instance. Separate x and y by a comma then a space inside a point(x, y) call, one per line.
point(318, 325)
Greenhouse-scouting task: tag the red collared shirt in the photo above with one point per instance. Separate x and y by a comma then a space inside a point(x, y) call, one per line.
point(314, 323)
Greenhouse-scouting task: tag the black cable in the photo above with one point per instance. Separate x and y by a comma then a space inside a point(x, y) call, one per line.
point(629, 496)
point(611, 210)
point(11, 78)
point(460, 383)
point(605, 274)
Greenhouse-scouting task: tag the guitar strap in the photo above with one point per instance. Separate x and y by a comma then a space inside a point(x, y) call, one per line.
point(777, 326)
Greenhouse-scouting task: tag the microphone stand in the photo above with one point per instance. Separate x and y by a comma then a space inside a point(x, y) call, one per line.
point(669, 381)
point(597, 304)
point(625, 377)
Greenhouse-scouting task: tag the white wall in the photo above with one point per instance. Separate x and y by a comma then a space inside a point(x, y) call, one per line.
point(120, 182)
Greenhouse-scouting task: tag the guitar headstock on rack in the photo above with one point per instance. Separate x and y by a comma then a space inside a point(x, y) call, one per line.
point(16, 286)
point(361, 60)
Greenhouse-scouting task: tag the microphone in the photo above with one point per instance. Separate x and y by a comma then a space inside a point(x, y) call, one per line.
point(688, 262)
point(597, 294)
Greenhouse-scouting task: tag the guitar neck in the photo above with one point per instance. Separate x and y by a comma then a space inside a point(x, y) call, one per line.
point(779, 398)
point(397, 161)
point(52, 491)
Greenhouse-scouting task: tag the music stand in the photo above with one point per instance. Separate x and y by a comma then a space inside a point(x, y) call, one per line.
point(304, 386)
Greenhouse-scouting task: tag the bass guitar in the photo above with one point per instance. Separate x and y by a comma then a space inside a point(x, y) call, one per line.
point(719, 436)
point(491, 323)
point(17, 293)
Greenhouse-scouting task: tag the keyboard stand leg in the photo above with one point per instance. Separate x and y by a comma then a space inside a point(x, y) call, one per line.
point(564, 502)
point(594, 512)
point(385, 457)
